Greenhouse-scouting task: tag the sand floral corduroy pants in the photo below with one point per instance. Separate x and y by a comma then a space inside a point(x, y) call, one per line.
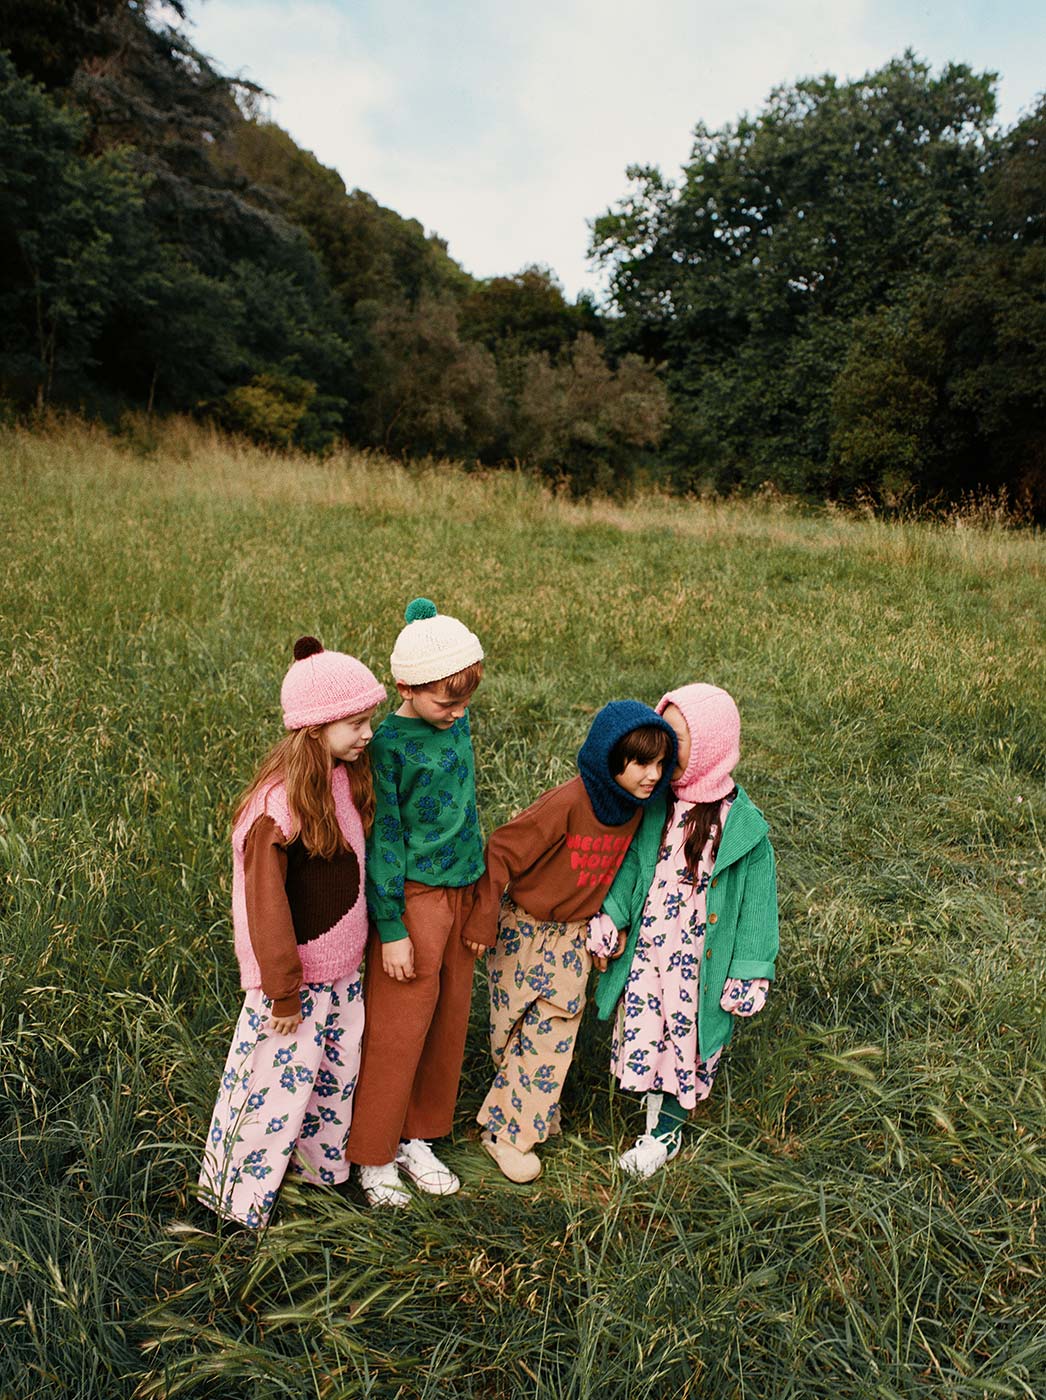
point(537, 973)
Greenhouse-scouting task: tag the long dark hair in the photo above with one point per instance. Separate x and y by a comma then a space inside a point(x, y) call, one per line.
point(702, 822)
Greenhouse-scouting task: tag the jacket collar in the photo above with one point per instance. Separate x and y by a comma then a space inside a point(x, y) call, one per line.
point(745, 827)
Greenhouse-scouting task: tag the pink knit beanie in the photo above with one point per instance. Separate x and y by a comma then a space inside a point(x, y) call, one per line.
point(322, 686)
point(715, 741)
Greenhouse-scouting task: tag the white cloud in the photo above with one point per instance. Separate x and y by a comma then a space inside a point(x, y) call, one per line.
point(506, 129)
point(325, 89)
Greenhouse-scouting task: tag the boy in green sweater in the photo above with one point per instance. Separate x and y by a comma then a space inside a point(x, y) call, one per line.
point(424, 854)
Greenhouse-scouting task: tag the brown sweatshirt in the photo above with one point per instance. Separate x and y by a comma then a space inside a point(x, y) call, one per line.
point(556, 860)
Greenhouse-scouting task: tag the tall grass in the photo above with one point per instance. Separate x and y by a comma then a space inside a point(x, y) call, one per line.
point(857, 1210)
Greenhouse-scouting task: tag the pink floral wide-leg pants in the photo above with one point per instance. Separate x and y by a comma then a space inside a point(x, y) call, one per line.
point(285, 1101)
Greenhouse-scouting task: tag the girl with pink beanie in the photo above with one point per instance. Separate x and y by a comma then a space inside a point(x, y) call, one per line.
point(299, 917)
point(697, 894)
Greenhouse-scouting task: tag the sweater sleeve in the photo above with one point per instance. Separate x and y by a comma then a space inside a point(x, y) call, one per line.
point(511, 850)
point(387, 852)
point(618, 903)
point(269, 921)
point(756, 940)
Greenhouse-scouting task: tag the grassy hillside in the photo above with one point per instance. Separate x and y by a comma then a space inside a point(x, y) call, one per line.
point(857, 1210)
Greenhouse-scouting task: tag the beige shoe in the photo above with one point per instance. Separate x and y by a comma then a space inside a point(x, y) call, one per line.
point(517, 1166)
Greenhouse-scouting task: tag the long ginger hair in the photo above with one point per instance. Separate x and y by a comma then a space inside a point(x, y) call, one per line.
point(303, 761)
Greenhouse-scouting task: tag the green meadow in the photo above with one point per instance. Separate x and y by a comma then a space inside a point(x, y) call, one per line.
point(859, 1209)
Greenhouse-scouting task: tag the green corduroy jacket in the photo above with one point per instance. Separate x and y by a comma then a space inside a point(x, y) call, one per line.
point(741, 913)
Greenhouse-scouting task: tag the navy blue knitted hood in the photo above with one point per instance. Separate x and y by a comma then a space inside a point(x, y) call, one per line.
point(610, 802)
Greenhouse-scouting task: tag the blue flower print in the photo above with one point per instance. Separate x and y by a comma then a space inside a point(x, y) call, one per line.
point(253, 1219)
point(331, 1152)
point(327, 1176)
point(244, 1048)
point(572, 962)
point(673, 904)
point(253, 1165)
point(303, 1074)
point(253, 1019)
point(543, 1079)
point(310, 1126)
point(229, 1079)
point(268, 1201)
point(283, 1056)
point(277, 1125)
point(326, 1084)
point(257, 1099)
point(287, 1081)
point(216, 1133)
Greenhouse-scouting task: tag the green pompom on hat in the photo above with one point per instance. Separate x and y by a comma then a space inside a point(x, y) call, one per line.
point(432, 646)
point(419, 608)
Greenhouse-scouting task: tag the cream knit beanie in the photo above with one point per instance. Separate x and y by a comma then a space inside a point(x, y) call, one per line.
point(432, 646)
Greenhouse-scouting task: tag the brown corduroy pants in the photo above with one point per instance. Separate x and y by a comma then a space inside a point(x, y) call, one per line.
point(414, 1034)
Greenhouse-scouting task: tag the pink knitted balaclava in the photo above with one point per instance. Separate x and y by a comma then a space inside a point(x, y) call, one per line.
point(322, 686)
point(715, 741)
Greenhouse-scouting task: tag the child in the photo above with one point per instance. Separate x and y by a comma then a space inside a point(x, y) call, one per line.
point(424, 855)
point(557, 860)
point(698, 894)
point(300, 924)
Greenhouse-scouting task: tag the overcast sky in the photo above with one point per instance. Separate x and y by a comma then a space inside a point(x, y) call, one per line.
point(505, 127)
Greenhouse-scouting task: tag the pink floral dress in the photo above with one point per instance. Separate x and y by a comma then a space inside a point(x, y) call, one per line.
point(655, 1043)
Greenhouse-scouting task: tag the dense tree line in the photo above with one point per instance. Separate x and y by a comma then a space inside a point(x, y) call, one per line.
point(161, 246)
point(843, 293)
point(847, 292)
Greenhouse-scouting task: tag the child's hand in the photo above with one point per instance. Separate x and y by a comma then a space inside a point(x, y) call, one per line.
point(398, 960)
point(600, 960)
point(744, 996)
point(284, 1025)
point(476, 949)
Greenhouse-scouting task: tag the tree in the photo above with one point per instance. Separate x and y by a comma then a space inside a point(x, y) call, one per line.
point(584, 421)
point(64, 221)
point(525, 314)
point(425, 389)
point(747, 279)
point(946, 391)
point(370, 253)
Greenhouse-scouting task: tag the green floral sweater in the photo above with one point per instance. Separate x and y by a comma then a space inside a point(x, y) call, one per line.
point(425, 827)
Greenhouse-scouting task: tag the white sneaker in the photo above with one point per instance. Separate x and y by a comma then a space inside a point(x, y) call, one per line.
point(425, 1169)
point(382, 1186)
point(648, 1155)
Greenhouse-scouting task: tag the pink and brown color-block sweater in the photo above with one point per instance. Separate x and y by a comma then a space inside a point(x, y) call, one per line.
point(296, 918)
